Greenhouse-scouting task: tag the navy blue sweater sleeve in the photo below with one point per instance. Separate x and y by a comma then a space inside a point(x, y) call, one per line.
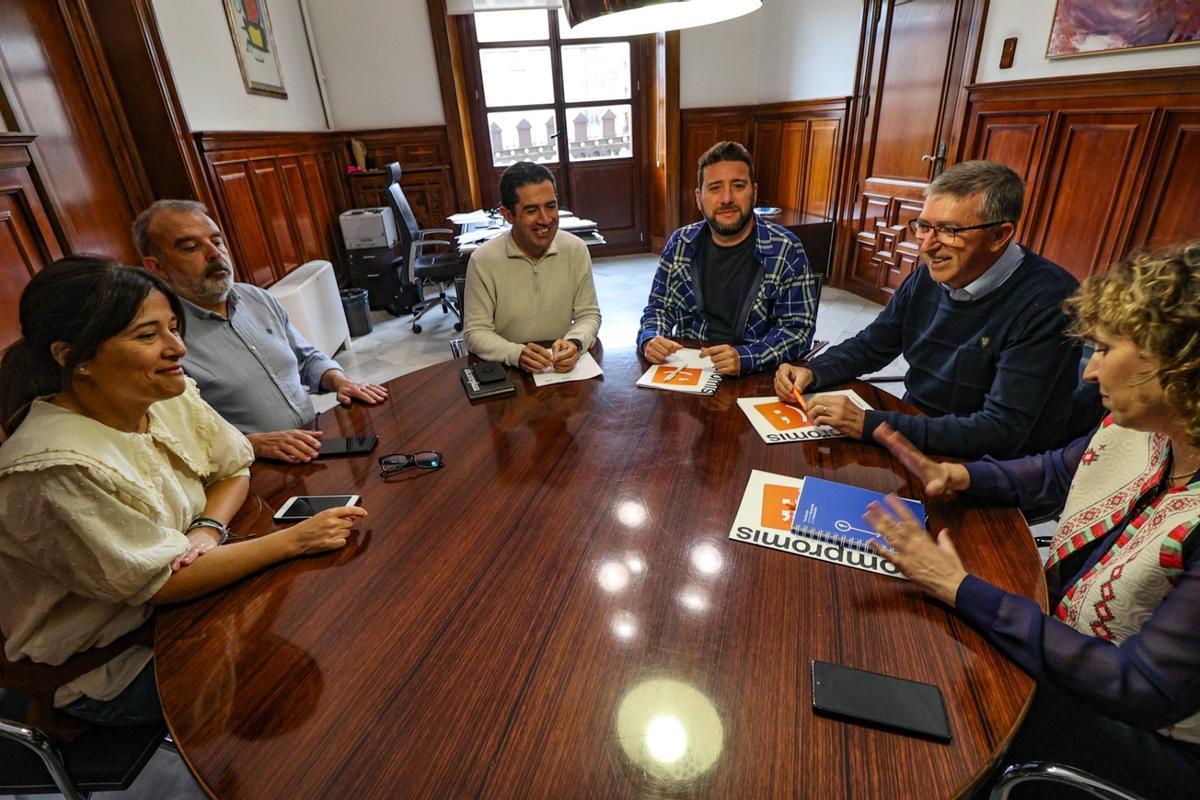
point(1026, 372)
point(1038, 485)
point(1150, 680)
point(874, 347)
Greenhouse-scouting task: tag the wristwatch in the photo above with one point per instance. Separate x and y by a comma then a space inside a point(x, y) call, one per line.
point(578, 344)
point(209, 522)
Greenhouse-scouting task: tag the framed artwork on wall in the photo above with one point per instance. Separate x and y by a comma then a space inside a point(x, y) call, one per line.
point(255, 46)
point(1087, 27)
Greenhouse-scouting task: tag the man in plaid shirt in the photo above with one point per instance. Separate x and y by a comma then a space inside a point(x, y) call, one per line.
point(736, 282)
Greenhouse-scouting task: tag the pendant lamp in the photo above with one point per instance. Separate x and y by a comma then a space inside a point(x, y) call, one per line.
point(635, 17)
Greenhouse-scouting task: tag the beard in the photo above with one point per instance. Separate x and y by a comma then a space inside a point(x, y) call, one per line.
point(214, 285)
point(735, 227)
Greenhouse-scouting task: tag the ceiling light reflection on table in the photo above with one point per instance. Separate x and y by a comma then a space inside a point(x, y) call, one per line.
point(624, 626)
point(613, 576)
point(669, 730)
point(632, 513)
point(693, 599)
point(707, 558)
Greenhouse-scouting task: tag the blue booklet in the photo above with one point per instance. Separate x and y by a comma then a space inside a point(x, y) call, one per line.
point(833, 512)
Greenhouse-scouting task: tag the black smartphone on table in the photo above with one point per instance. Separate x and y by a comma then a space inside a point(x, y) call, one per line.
point(348, 445)
point(880, 700)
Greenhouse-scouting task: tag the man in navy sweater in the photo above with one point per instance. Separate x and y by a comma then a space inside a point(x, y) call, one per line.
point(980, 324)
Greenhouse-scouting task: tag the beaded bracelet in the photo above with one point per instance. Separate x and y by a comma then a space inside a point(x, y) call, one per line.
point(209, 522)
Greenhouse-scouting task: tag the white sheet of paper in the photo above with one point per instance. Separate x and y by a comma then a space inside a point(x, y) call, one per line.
point(689, 358)
point(467, 217)
point(779, 422)
point(585, 369)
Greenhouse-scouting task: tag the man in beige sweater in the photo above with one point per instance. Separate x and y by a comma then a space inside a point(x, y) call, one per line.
point(533, 283)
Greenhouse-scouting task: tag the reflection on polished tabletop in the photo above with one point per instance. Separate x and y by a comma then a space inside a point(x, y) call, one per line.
point(559, 612)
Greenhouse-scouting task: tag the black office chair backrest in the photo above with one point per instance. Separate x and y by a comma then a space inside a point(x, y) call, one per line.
point(406, 221)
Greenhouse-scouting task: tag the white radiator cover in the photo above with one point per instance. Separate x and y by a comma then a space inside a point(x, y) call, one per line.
point(310, 296)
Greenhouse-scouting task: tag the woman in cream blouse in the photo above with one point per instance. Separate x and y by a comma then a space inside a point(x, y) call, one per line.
point(116, 482)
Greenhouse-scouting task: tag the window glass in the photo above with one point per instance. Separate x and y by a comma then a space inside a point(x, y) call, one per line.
point(515, 76)
point(595, 72)
point(595, 132)
point(512, 26)
point(522, 136)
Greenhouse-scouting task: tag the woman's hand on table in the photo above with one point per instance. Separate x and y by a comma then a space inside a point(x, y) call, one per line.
point(200, 541)
point(327, 530)
point(939, 477)
point(932, 566)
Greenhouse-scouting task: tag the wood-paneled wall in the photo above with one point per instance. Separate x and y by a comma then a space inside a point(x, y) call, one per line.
point(1111, 162)
point(27, 239)
point(424, 156)
point(279, 195)
point(796, 148)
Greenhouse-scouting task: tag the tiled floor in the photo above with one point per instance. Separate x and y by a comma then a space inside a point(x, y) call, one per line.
point(392, 349)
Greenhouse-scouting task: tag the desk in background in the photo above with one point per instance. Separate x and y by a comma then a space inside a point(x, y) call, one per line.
point(559, 612)
point(585, 229)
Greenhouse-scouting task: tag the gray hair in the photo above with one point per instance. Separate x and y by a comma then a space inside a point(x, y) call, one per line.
point(145, 244)
point(1002, 188)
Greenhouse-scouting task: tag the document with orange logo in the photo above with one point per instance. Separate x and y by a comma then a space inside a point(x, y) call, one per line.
point(767, 517)
point(683, 371)
point(778, 422)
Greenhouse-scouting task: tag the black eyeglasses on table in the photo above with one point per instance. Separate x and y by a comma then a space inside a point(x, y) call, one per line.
point(946, 234)
point(424, 459)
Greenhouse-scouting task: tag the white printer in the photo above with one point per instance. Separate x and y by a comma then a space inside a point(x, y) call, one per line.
point(365, 228)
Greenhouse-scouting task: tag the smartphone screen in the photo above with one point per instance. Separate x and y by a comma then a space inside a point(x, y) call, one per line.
point(305, 507)
point(348, 445)
point(880, 699)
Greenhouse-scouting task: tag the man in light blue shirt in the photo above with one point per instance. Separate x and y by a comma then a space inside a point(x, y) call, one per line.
point(250, 362)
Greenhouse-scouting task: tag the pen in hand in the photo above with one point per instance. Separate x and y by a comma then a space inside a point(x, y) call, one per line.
point(804, 412)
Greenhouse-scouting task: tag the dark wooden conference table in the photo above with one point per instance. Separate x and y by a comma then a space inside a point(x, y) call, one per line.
point(558, 612)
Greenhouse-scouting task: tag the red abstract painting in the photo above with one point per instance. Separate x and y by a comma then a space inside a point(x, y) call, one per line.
point(1097, 26)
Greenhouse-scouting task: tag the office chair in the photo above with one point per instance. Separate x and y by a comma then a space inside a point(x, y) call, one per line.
point(45, 750)
point(438, 270)
point(1057, 773)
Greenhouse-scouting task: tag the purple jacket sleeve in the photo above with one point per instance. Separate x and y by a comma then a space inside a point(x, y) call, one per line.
point(1150, 680)
point(1038, 485)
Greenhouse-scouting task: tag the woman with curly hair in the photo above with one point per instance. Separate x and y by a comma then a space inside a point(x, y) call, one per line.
point(1117, 660)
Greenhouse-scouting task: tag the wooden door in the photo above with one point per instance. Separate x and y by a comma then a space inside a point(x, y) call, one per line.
point(911, 72)
point(58, 89)
point(574, 105)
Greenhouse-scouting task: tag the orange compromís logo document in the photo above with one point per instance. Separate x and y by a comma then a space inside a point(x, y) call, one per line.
point(779, 506)
point(684, 377)
point(783, 417)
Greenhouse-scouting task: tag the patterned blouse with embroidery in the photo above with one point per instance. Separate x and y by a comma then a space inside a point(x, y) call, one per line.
point(1150, 680)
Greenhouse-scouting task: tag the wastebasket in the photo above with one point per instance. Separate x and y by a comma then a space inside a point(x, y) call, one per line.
point(358, 311)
